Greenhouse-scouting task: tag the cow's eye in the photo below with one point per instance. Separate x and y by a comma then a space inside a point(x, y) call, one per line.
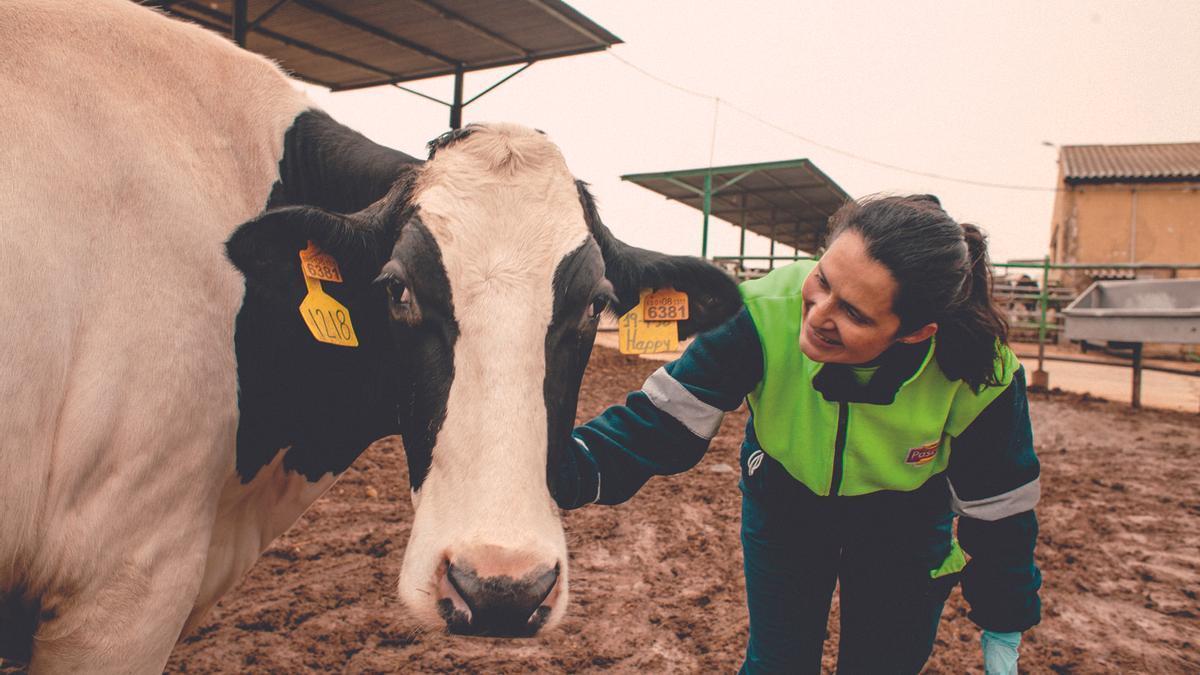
point(599, 304)
point(399, 294)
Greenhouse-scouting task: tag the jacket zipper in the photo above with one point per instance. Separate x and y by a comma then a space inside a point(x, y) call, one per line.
point(839, 449)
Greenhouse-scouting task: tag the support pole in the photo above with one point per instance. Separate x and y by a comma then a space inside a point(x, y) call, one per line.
point(742, 243)
point(456, 107)
point(707, 210)
point(771, 265)
point(239, 22)
point(1136, 395)
point(1041, 379)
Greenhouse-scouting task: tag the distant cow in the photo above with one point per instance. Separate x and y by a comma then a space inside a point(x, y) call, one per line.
point(165, 417)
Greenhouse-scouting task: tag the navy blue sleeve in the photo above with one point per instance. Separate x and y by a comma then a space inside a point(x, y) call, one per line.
point(994, 486)
point(665, 427)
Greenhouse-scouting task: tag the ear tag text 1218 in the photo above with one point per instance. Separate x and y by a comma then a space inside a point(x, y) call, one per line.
point(327, 319)
point(635, 335)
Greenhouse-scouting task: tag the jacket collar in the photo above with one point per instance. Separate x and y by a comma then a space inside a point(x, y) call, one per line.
point(899, 365)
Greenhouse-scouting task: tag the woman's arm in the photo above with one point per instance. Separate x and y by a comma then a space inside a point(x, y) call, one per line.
point(665, 427)
point(994, 486)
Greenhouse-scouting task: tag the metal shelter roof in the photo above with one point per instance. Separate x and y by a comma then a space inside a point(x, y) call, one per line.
point(351, 44)
point(788, 202)
point(1156, 162)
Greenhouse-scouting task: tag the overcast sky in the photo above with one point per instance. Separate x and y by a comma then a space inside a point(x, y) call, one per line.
point(966, 89)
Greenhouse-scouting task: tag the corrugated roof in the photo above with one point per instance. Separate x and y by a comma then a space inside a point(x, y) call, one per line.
point(350, 44)
point(1157, 162)
point(788, 201)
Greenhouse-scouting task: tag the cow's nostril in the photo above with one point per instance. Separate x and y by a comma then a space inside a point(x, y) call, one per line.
point(496, 605)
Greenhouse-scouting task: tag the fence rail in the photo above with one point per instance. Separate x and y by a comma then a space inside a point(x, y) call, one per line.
point(1032, 304)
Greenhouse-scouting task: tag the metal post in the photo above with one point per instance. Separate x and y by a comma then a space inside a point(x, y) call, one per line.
point(456, 107)
point(1136, 396)
point(771, 265)
point(742, 243)
point(707, 210)
point(239, 22)
point(1041, 379)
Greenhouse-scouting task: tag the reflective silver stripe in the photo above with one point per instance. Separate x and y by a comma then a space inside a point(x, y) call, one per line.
point(1000, 506)
point(583, 446)
point(671, 397)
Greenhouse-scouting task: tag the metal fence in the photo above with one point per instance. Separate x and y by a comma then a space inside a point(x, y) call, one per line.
point(1034, 303)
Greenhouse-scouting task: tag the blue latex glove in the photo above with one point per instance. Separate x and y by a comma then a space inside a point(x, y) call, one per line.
point(1000, 652)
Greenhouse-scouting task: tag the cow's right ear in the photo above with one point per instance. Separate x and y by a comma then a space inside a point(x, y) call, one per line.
point(712, 294)
point(266, 249)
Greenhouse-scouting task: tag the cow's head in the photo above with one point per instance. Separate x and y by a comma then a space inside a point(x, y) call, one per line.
point(475, 288)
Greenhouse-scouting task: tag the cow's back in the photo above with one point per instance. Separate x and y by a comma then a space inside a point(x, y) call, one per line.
point(130, 147)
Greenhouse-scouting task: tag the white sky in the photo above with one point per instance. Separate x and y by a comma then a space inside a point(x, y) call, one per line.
point(965, 89)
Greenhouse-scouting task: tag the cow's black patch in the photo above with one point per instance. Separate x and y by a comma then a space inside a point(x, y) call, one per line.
point(326, 402)
point(332, 166)
point(579, 290)
point(425, 349)
point(18, 622)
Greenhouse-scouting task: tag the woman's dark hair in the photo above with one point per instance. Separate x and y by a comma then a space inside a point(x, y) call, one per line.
point(941, 268)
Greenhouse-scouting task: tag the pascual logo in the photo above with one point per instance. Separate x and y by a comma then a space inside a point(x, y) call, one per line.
point(923, 454)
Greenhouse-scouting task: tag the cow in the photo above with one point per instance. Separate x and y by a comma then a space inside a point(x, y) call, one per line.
point(168, 409)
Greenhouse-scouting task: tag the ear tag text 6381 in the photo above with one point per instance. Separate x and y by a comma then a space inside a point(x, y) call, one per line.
point(327, 319)
point(637, 335)
point(666, 304)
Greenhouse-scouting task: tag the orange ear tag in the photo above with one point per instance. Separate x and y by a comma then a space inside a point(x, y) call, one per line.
point(317, 264)
point(327, 319)
point(635, 335)
point(667, 304)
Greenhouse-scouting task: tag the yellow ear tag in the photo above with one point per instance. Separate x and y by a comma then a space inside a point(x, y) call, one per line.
point(667, 304)
point(327, 319)
point(635, 335)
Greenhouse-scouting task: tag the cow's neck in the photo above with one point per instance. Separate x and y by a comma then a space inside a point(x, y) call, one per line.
point(249, 517)
point(329, 165)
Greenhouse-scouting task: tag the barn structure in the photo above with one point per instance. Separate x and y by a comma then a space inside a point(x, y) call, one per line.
point(789, 202)
point(1126, 204)
point(369, 43)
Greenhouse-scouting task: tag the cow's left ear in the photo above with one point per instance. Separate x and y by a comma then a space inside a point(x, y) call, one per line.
point(266, 249)
point(712, 294)
point(325, 401)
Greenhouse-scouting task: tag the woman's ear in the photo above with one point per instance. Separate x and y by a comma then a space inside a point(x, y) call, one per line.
point(919, 335)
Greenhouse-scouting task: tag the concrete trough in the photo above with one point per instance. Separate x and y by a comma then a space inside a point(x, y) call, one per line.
point(1136, 312)
point(1154, 310)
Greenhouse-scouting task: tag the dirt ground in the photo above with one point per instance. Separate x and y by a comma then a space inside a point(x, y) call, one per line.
point(657, 583)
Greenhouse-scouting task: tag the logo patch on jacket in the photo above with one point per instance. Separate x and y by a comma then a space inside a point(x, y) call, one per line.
point(923, 454)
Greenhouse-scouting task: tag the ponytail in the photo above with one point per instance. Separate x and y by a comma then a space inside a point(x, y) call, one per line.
point(943, 275)
point(971, 328)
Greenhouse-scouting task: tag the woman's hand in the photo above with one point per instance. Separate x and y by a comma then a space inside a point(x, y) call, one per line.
point(1000, 652)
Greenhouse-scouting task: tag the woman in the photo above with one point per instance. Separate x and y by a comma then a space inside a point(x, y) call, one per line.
point(883, 401)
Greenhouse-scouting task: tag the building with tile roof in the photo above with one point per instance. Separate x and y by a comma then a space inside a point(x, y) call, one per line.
point(1127, 204)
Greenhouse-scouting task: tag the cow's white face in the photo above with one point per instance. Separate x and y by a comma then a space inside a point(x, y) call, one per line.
point(503, 213)
point(475, 287)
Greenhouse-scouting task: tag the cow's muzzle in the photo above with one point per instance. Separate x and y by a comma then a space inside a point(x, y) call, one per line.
point(495, 605)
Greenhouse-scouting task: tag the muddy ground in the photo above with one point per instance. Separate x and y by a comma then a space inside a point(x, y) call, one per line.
point(657, 583)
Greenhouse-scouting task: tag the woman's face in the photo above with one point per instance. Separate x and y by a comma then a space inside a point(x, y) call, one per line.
point(848, 315)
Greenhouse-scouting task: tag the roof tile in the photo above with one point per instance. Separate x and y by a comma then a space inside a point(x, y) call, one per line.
point(1145, 162)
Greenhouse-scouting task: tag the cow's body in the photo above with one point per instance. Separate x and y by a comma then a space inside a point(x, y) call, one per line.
point(120, 390)
point(155, 434)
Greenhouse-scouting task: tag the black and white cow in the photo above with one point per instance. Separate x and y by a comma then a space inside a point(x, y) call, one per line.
point(165, 417)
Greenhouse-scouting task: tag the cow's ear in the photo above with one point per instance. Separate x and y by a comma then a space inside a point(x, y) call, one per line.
point(712, 294)
point(266, 249)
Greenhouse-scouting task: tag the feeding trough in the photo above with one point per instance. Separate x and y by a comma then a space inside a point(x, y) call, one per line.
point(1136, 312)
